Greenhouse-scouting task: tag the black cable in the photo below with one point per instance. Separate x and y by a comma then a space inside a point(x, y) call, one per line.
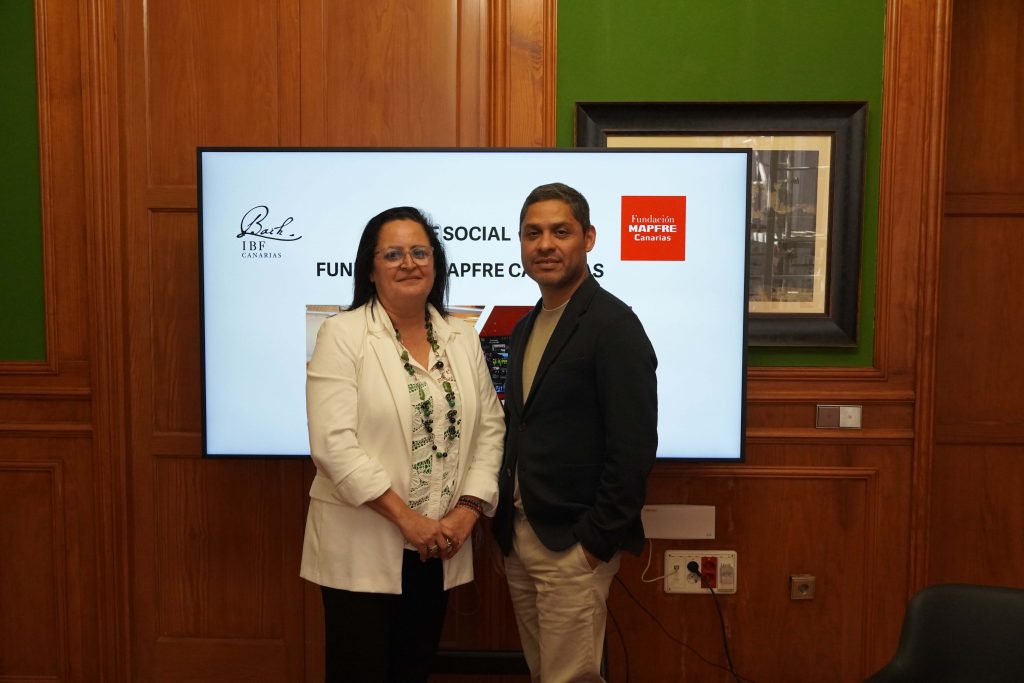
point(695, 568)
point(673, 638)
point(622, 639)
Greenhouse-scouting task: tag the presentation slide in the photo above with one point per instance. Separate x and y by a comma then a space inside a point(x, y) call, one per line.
point(278, 235)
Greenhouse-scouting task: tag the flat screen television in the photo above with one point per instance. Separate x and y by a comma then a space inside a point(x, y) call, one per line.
point(278, 230)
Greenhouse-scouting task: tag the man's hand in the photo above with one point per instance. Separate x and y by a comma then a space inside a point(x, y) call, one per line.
point(592, 560)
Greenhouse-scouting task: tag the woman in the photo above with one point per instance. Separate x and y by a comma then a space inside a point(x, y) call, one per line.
point(406, 433)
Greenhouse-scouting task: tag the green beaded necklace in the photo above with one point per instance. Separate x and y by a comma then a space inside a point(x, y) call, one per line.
point(449, 394)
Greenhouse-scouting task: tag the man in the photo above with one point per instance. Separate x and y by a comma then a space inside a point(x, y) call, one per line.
point(581, 407)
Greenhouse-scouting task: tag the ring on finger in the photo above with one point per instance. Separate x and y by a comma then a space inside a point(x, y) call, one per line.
point(433, 549)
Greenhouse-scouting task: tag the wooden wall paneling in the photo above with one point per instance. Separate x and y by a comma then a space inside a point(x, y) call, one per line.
point(59, 83)
point(65, 617)
point(102, 215)
point(215, 543)
point(473, 85)
point(897, 391)
point(781, 521)
point(226, 595)
point(523, 73)
point(505, 100)
point(193, 93)
point(397, 73)
point(981, 369)
point(216, 560)
point(984, 204)
point(787, 420)
point(910, 187)
point(892, 534)
point(913, 129)
point(314, 124)
point(911, 180)
point(49, 620)
point(978, 517)
point(499, 74)
point(913, 135)
point(173, 324)
point(223, 73)
point(59, 613)
point(34, 635)
point(391, 72)
point(44, 409)
point(978, 474)
point(986, 101)
point(226, 532)
point(385, 73)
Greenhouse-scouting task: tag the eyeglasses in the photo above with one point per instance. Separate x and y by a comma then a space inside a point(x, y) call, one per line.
point(394, 256)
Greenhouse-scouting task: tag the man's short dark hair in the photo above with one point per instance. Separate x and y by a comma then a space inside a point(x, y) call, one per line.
point(576, 201)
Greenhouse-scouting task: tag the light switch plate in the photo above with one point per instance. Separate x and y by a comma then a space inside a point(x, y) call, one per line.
point(849, 417)
point(841, 417)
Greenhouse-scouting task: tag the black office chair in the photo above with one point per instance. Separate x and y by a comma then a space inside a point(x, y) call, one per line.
point(959, 633)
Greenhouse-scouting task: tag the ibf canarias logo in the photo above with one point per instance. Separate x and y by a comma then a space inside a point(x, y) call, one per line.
point(261, 235)
point(654, 228)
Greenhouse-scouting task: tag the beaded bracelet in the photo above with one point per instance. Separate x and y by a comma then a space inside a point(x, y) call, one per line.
point(472, 504)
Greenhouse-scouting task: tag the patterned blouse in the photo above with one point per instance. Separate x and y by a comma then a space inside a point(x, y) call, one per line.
point(434, 396)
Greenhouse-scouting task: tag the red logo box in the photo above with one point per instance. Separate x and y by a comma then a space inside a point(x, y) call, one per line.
point(654, 228)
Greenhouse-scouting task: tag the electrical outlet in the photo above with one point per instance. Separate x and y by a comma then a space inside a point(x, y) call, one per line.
point(708, 571)
point(717, 566)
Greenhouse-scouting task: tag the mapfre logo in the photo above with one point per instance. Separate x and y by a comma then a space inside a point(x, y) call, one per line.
point(654, 228)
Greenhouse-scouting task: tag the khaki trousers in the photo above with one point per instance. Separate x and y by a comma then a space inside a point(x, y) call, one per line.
point(560, 607)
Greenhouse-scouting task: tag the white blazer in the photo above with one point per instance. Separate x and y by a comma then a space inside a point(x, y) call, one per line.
point(360, 435)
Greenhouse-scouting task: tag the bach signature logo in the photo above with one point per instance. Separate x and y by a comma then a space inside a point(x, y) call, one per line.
point(256, 229)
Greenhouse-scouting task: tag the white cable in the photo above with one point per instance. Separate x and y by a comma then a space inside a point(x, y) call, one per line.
point(649, 558)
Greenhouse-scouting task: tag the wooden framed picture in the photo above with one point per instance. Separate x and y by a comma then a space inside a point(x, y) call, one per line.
point(807, 177)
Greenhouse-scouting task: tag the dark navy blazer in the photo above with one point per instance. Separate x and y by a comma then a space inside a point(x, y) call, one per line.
point(585, 440)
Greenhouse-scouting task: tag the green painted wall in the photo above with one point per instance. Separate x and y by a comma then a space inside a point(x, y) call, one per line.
point(735, 50)
point(22, 333)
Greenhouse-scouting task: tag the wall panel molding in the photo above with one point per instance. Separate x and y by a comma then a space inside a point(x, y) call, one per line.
point(894, 437)
point(523, 73)
point(48, 529)
point(910, 204)
point(35, 644)
point(46, 429)
point(988, 527)
point(980, 434)
point(103, 244)
point(69, 377)
point(978, 465)
point(58, 416)
point(885, 419)
point(47, 164)
point(984, 204)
